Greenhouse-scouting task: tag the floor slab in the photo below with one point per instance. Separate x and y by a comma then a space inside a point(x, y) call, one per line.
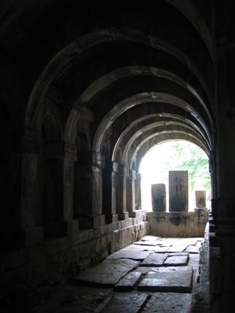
point(173, 279)
point(131, 303)
point(154, 259)
point(128, 282)
point(108, 273)
point(169, 302)
point(179, 260)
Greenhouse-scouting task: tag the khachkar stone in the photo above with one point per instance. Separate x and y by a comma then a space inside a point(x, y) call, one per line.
point(178, 191)
point(200, 196)
point(158, 197)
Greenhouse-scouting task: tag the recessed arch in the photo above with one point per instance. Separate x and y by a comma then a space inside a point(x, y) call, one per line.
point(152, 97)
point(63, 61)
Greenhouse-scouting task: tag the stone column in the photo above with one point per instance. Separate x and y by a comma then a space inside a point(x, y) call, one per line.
point(59, 159)
point(88, 188)
point(121, 192)
point(158, 197)
point(138, 192)
point(223, 204)
point(178, 191)
point(31, 229)
point(130, 193)
point(109, 191)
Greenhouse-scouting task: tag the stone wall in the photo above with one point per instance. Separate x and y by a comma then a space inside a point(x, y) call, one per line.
point(169, 224)
point(32, 273)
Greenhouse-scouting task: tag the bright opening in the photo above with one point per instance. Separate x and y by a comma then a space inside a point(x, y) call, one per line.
point(175, 155)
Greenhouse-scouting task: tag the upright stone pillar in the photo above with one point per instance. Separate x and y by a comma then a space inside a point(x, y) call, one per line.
point(158, 197)
point(223, 204)
point(138, 191)
point(121, 192)
point(109, 191)
point(178, 191)
point(200, 196)
point(130, 195)
point(31, 228)
point(59, 159)
point(88, 188)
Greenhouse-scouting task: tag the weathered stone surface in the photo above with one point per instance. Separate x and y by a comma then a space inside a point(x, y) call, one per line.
point(178, 191)
point(200, 196)
point(169, 302)
point(150, 238)
point(142, 255)
point(161, 249)
point(177, 248)
point(173, 260)
point(125, 303)
point(192, 249)
point(108, 272)
point(187, 241)
point(128, 281)
point(146, 243)
point(175, 279)
point(158, 197)
point(123, 254)
point(154, 259)
point(168, 241)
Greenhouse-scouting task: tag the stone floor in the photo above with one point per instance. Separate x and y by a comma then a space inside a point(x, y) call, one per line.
point(154, 274)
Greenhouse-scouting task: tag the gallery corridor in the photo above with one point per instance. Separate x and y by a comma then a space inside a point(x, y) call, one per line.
point(155, 274)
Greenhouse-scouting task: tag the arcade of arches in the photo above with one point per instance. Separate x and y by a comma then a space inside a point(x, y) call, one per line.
point(86, 89)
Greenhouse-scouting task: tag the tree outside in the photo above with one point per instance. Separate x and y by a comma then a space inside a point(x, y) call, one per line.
point(175, 155)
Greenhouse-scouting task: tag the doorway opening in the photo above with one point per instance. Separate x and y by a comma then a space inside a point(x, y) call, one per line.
point(175, 155)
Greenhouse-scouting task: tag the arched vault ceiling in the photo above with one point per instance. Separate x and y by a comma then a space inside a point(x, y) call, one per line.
point(140, 151)
point(156, 122)
point(85, 48)
point(139, 133)
point(158, 101)
point(76, 18)
point(132, 147)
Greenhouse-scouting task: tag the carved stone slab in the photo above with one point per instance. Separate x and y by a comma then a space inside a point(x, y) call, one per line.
point(169, 302)
point(178, 191)
point(158, 197)
point(200, 196)
point(108, 272)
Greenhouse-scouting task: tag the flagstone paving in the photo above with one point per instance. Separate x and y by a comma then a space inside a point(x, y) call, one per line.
point(154, 274)
point(168, 302)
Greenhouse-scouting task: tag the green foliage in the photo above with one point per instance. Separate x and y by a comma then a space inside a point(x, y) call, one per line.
point(187, 156)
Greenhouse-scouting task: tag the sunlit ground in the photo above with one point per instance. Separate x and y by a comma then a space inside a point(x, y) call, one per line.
point(156, 164)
